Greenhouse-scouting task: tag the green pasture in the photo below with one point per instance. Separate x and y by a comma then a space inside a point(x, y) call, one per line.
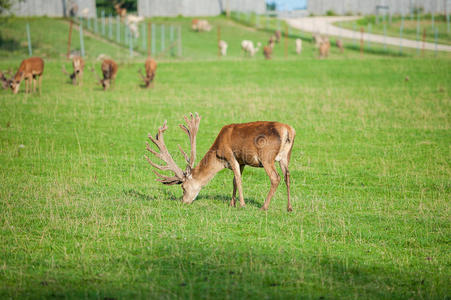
point(81, 215)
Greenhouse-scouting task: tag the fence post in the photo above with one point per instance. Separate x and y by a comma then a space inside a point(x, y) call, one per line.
point(354, 28)
point(153, 44)
point(95, 24)
point(103, 22)
point(126, 36)
point(143, 36)
point(162, 37)
point(110, 29)
point(118, 29)
point(30, 51)
point(401, 29)
point(435, 41)
point(180, 41)
point(70, 38)
point(219, 39)
point(286, 41)
point(82, 44)
point(130, 42)
point(424, 42)
point(149, 32)
point(171, 39)
point(89, 23)
point(418, 34)
point(385, 37)
point(361, 41)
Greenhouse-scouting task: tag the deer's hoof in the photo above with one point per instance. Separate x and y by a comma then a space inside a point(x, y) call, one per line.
point(289, 209)
point(263, 208)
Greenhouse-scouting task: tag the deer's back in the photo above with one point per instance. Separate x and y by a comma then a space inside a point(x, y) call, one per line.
point(252, 143)
point(31, 66)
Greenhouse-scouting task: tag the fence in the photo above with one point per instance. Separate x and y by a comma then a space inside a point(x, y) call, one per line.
point(142, 38)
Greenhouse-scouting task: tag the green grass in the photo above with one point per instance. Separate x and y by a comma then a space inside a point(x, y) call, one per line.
point(81, 215)
point(410, 27)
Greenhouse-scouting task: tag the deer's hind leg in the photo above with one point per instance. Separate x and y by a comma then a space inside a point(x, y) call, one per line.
point(271, 170)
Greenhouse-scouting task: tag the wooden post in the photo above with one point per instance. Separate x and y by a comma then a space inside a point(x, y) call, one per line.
point(70, 38)
point(286, 40)
point(361, 40)
point(219, 38)
point(424, 41)
point(149, 34)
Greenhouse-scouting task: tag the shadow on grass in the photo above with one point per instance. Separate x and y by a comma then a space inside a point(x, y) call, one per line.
point(227, 198)
point(8, 44)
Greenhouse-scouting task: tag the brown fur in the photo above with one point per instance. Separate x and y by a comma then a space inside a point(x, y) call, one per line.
point(109, 71)
point(256, 144)
point(151, 71)
point(78, 64)
point(29, 69)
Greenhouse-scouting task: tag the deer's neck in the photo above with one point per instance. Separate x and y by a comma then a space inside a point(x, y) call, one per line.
point(207, 168)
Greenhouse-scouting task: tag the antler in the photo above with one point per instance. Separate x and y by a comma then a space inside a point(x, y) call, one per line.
point(166, 157)
point(191, 131)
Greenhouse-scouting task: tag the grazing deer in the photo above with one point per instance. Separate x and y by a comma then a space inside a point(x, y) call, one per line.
point(29, 69)
point(339, 44)
point(324, 48)
point(256, 144)
point(267, 50)
point(151, 71)
point(109, 71)
point(79, 65)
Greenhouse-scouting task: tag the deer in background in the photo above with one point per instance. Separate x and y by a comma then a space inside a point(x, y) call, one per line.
point(151, 71)
point(324, 48)
point(109, 71)
point(256, 144)
point(267, 50)
point(339, 44)
point(248, 47)
point(30, 69)
point(120, 11)
point(222, 45)
point(78, 64)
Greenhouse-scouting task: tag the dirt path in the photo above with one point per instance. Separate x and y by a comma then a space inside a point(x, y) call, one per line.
point(323, 25)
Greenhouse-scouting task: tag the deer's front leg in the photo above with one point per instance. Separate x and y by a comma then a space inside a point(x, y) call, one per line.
point(232, 203)
point(235, 166)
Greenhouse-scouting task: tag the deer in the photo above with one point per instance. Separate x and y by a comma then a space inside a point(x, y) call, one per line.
point(339, 44)
point(298, 44)
point(120, 11)
point(277, 35)
point(257, 144)
point(29, 69)
point(324, 47)
point(151, 71)
point(78, 64)
point(267, 50)
point(109, 71)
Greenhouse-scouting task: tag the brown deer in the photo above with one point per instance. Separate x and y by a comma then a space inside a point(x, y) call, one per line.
point(120, 11)
point(29, 69)
point(339, 44)
point(109, 71)
point(324, 48)
point(277, 35)
point(151, 71)
point(256, 144)
point(79, 65)
point(267, 50)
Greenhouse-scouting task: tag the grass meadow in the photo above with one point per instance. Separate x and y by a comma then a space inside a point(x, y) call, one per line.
point(81, 215)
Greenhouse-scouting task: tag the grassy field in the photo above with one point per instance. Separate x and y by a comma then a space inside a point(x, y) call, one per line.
point(81, 215)
point(410, 27)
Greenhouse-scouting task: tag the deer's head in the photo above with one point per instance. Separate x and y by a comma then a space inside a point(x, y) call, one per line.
point(14, 82)
point(190, 186)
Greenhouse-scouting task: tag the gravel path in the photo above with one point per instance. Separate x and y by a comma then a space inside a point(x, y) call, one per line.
point(323, 25)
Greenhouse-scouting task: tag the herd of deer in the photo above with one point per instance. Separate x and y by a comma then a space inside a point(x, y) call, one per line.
point(257, 144)
point(31, 70)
